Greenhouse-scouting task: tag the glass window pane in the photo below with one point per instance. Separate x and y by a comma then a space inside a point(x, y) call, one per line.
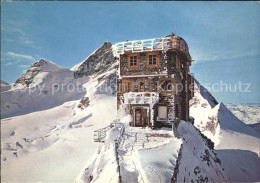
point(162, 112)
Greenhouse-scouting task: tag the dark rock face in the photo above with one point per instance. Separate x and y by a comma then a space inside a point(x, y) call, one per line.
point(27, 78)
point(98, 62)
point(84, 103)
point(109, 84)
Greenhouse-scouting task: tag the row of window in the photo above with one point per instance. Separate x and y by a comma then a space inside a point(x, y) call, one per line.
point(145, 86)
point(152, 60)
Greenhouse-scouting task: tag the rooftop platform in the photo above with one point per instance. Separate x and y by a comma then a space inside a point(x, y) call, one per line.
point(170, 42)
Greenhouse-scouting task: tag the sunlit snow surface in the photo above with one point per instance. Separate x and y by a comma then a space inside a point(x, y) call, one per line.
point(53, 145)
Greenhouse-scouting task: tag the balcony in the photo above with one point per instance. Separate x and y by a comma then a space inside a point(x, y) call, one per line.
point(141, 98)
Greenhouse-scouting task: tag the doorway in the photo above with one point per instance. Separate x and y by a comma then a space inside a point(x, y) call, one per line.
point(141, 117)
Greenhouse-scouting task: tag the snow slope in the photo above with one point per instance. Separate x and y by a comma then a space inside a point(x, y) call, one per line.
point(52, 145)
point(229, 135)
point(147, 155)
point(138, 157)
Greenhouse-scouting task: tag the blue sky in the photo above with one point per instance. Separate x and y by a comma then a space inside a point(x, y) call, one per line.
point(224, 37)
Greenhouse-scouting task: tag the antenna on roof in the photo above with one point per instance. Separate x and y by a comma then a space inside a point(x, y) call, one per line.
point(174, 30)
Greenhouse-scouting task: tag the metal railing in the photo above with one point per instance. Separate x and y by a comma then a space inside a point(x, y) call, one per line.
point(118, 141)
point(135, 46)
point(100, 134)
point(141, 97)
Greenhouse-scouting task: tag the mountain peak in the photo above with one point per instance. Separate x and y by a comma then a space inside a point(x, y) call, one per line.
point(107, 45)
point(99, 61)
point(42, 65)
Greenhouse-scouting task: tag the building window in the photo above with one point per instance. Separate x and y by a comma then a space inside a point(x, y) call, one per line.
point(126, 86)
point(152, 59)
point(133, 61)
point(162, 112)
point(166, 86)
point(144, 86)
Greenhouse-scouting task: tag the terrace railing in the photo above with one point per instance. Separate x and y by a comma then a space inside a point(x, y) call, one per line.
point(100, 134)
point(154, 44)
point(141, 97)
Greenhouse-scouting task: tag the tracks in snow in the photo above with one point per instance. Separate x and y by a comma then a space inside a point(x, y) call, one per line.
point(133, 140)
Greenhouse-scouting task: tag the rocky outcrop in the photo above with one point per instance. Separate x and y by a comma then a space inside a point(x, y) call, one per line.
point(97, 62)
point(84, 103)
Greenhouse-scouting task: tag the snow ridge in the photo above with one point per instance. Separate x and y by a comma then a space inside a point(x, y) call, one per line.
point(204, 166)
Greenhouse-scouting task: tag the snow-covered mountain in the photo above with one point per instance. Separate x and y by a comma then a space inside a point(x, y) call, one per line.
point(98, 62)
point(4, 86)
point(249, 114)
point(43, 86)
point(50, 134)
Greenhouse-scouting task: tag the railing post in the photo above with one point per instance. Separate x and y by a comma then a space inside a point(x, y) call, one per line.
point(117, 161)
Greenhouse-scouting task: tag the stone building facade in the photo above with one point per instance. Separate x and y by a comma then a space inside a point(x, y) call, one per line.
point(154, 83)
